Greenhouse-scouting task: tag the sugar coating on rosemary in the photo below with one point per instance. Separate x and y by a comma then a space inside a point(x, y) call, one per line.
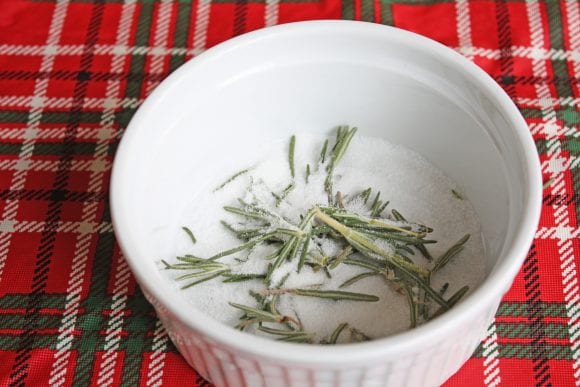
point(317, 257)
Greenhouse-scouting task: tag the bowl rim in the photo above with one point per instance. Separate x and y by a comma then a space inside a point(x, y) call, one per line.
point(486, 295)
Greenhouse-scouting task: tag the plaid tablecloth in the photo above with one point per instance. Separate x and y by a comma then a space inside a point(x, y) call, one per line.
point(72, 73)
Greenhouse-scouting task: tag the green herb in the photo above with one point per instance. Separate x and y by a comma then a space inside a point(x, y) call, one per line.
point(343, 138)
point(452, 252)
point(291, 155)
point(299, 242)
point(334, 336)
point(357, 278)
point(285, 192)
point(234, 177)
point(323, 152)
point(457, 194)
point(357, 335)
point(189, 234)
point(335, 295)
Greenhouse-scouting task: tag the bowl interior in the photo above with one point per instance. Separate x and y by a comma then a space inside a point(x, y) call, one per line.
point(235, 101)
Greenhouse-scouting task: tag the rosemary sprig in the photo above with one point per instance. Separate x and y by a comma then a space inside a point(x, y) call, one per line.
point(203, 269)
point(360, 235)
point(365, 245)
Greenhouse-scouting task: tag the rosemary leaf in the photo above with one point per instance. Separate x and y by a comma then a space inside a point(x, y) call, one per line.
point(343, 138)
point(366, 265)
point(240, 173)
point(335, 295)
point(190, 234)
point(202, 280)
point(282, 281)
point(397, 215)
point(357, 335)
point(247, 245)
point(307, 172)
point(291, 155)
point(376, 203)
point(366, 194)
point(412, 305)
point(243, 212)
point(452, 252)
point(323, 152)
point(296, 339)
point(230, 277)
point(258, 314)
point(381, 209)
point(358, 277)
point(454, 299)
point(334, 336)
point(340, 257)
point(278, 332)
point(304, 253)
point(457, 194)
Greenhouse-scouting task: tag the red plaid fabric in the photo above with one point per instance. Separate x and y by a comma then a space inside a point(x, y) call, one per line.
point(72, 73)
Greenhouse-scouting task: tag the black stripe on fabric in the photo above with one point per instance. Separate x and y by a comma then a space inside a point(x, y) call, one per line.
point(20, 368)
point(536, 319)
point(55, 196)
point(22, 75)
point(507, 79)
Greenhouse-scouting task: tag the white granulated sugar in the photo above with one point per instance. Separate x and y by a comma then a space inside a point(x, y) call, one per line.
point(413, 186)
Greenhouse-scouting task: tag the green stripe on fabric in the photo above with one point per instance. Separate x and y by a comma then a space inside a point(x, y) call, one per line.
point(560, 67)
point(142, 37)
point(184, 18)
point(17, 301)
point(520, 309)
point(18, 321)
point(347, 9)
point(525, 351)
point(387, 12)
point(142, 322)
point(48, 117)
point(367, 10)
point(92, 320)
point(524, 330)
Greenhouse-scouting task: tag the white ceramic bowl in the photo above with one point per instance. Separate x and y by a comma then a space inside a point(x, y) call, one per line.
point(261, 87)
